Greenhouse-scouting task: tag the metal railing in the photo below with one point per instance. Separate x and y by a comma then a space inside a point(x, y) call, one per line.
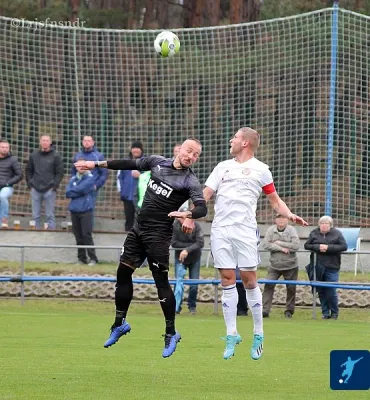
point(22, 278)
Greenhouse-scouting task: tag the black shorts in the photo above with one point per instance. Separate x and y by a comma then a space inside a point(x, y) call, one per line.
point(142, 243)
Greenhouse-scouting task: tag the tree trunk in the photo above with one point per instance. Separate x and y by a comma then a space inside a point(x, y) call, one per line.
point(188, 7)
point(251, 10)
point(148, 16)
point(359, 4)
point(162, 14)
point(214, 12)
point(75, 5)
point(131, 14)
point(236, 11)
point(197, 10)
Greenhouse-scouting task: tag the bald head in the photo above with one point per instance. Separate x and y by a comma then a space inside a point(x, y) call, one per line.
point(188, 154)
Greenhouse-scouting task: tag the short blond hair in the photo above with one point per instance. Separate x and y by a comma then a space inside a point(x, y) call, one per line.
point(252, 136)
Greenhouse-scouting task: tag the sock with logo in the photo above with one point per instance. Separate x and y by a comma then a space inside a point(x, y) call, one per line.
point(168, 304)
point(254, 298)
point(229, 301)
point(166, 299)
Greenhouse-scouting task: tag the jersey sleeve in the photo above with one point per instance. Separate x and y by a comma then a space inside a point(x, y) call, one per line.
point(267, 182)
point(149, 162)
point(214, 179)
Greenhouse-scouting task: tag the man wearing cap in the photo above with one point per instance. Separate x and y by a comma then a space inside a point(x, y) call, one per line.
point(127, 185)
point(282, 241)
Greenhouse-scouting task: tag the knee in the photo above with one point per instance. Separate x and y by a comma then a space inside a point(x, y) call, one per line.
point(291, 288)
point(161, 279)
point(250, 285)
point(124, 273)
point(227, 282)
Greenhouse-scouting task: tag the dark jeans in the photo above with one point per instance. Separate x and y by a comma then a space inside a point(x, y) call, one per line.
point(328, 296)
point(268, 291)
point(82, 229)
point(194, 271)
point(242, 306)
point(130, 210)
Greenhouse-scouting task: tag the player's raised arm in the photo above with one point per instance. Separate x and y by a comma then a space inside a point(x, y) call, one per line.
point(281, 208)
point(112, 164)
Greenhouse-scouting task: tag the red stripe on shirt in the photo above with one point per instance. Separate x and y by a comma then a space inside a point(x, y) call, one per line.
point(270, 188)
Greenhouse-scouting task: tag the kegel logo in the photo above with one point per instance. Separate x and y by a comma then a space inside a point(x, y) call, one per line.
point(160, 188)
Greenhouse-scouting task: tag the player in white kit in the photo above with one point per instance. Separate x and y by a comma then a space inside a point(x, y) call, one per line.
point(238, 184)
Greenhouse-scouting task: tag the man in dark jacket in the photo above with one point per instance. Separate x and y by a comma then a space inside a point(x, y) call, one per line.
point(44, 172)
point(80, 190)
point(10, 174)
point(90, 153)
point(127, 184)
point(187, 259)
point(327, 243)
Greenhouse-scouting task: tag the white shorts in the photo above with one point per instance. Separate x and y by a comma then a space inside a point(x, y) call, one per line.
point(235, 245)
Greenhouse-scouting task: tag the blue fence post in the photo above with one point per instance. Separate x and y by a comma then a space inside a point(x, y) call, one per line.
point(333, 82)
point(22, 275)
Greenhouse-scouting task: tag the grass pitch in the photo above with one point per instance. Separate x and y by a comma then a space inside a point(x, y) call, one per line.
point(53, 349)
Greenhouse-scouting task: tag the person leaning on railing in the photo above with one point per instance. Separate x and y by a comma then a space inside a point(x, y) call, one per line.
point(327, 243)
point(282, 241)
point(10, 174)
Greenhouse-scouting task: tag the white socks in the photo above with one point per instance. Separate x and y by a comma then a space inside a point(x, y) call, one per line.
point(254, 299)
point(229, 301)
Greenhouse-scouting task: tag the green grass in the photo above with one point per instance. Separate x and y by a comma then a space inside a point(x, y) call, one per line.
point(110, 268)
point(53, 349)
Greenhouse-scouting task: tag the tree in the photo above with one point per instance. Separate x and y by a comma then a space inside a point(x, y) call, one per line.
point(235, 12)
point(196, 14)
point(75, 5)
point(214, 12)
point(251, 10)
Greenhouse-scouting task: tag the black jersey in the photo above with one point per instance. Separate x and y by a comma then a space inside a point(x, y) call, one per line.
point(167, 190)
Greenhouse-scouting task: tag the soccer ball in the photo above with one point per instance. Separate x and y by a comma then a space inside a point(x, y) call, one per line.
point(167, 44)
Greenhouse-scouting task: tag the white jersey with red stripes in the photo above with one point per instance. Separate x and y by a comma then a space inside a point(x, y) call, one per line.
point(238, 187)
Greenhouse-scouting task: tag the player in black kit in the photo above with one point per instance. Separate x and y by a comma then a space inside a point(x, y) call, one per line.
point(172, 182)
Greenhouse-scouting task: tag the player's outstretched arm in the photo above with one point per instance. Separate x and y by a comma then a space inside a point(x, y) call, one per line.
point(187, 223)
point(198, 211)
point(281, 208)
point(113, 164)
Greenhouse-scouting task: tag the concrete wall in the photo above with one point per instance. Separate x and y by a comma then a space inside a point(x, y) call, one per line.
point(116, 239)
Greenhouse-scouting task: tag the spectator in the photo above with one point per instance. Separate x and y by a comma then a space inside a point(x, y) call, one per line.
point(176, 149)
point(81, 190)
point(242, 307)
point(44, 172)
point(188, 258)
point(90, 153)
point(282, 241)
point(141, 187)
point(127, 184)
point(327, 243)
point(10, 174)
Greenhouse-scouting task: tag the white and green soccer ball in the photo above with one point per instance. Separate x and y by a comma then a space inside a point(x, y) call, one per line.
point(167, 44)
